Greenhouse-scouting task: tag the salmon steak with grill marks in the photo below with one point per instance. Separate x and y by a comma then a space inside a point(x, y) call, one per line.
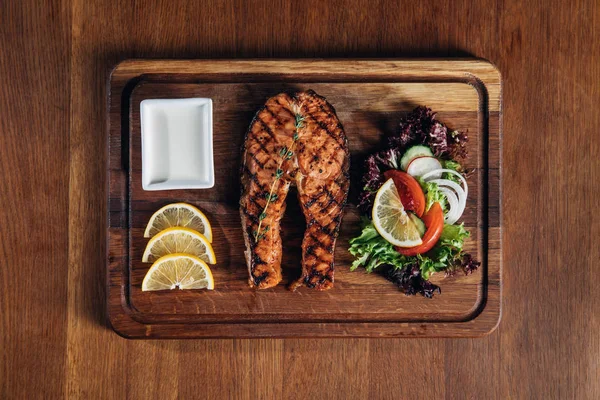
point(293, 140)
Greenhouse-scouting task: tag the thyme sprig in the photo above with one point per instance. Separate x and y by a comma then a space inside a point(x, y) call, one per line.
point(286, 154)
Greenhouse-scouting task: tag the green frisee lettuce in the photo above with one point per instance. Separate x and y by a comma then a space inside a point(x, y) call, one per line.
point(371, 251)
point(454, 166)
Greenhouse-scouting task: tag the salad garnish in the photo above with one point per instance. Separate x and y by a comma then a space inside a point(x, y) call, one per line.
point(419, 176)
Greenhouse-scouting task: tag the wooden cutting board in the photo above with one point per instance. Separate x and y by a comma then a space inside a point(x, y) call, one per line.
point(370, 97)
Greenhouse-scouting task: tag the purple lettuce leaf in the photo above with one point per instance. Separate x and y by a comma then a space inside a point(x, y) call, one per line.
point(469, 264)
point(409, 279)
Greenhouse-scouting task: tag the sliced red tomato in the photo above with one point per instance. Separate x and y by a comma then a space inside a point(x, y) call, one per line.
point(434, 222)
point(411, 194)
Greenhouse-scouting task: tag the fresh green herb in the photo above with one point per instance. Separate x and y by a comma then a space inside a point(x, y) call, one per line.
point(299, 123)
point(454, 235)
point(455, 166)
point(429, 265)
point(260, 235)
point(432, 194)
point(286, 154)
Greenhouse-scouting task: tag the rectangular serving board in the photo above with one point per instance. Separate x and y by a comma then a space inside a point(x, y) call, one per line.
point(370, 97)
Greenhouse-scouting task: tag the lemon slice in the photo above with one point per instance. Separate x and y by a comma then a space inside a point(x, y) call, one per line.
point(179, 240)
point(390, 219)
point(178, 270)
point(179, 214)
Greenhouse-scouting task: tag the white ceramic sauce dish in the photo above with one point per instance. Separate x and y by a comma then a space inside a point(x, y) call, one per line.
point(177, 144)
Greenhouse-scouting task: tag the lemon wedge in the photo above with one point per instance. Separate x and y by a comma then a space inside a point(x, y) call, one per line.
point(178, 270)
point(179, 214)
point(179, 240)
point(390, 219)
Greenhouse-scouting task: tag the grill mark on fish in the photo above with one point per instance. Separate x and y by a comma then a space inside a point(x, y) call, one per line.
point(319, 260)
point(256, 160)
point(311, 282)
point(318, 243)
point(325, 128)
point(268, 109)
point(252, 217)
point(260, 278)
point(315, 273)
point(316, 197)
point(274, 116)
point(313, 200)
point(267, 128)
point(325, 207)
point(253, 178)
point(262, 147)
point(255, 202)
point(258, 260)
point(331, 196)
point(323, 125)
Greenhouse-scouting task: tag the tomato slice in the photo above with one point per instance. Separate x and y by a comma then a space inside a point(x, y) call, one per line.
point(434, 222)
point(411, 194)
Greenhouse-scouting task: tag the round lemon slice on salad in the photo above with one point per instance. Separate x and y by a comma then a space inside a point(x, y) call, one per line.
point(390, 219)
point(179, 214)
point(181, 271)
point(179, 240)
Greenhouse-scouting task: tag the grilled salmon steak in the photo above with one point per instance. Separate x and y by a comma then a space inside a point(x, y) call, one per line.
point(293, 140)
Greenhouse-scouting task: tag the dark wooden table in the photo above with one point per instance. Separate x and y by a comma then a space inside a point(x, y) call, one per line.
point(55, 57)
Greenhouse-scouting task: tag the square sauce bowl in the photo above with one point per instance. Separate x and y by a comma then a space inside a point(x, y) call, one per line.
point(177, 144)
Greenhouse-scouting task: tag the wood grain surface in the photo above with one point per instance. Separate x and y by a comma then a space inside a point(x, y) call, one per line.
point(370, 97)
point(55, 58)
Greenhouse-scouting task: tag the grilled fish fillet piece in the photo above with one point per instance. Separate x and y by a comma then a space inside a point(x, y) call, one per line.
point(293, 140)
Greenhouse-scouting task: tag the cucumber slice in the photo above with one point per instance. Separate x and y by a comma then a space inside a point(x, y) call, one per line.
point(414, 152)
point(418, 223)
point(422, 165)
